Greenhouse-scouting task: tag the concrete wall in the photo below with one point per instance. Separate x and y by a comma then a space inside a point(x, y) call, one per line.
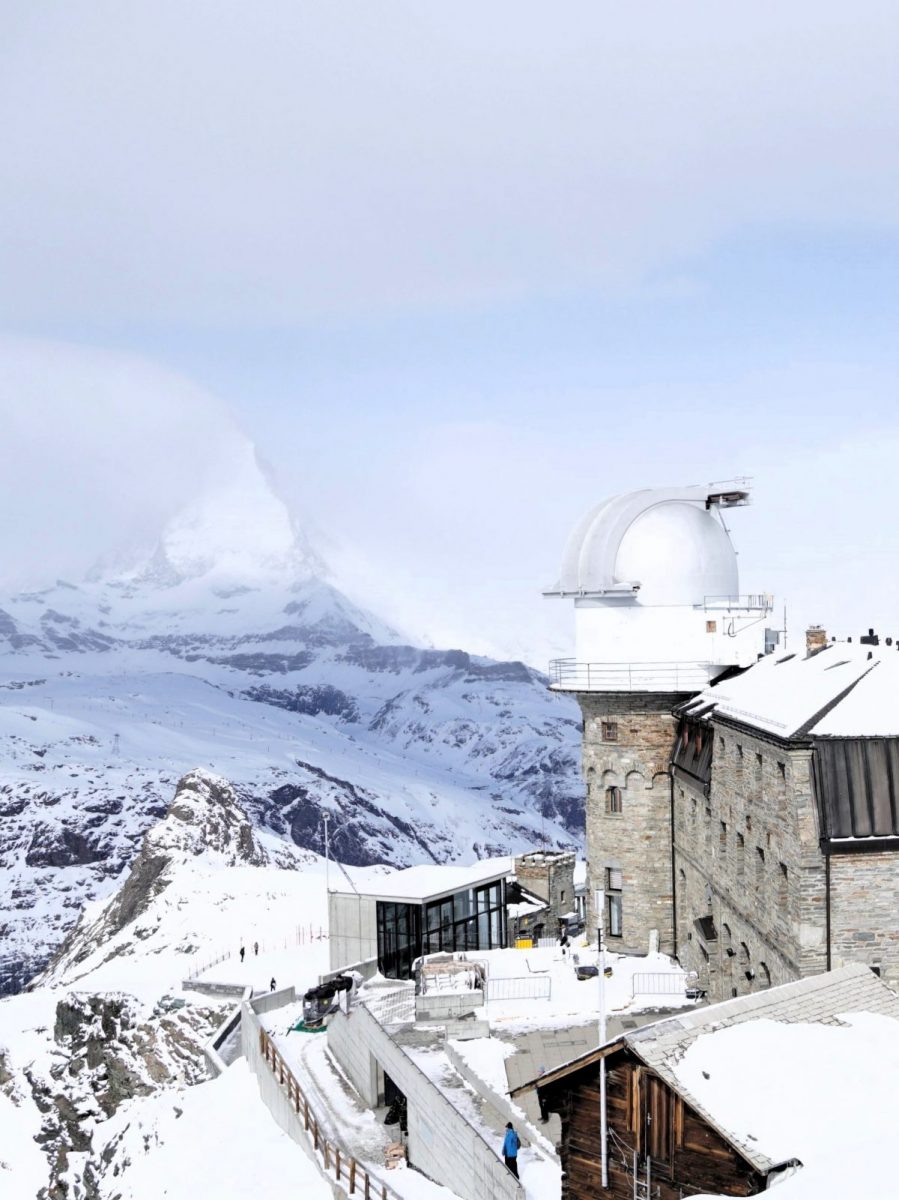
point(367, 970)
point(234, 990)
point(214, 1052)
point(441, 1143)
point(274, 1096)
point(638, 840)
point(352, 929)
point(443, 1006)
point(269, 1001)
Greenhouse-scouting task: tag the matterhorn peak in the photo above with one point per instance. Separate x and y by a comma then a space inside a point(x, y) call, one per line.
point(236, 530)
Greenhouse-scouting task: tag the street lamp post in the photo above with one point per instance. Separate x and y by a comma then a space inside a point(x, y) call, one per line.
point(599, 901)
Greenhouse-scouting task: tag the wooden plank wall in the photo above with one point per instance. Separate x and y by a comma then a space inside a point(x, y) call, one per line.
point(701, 1160)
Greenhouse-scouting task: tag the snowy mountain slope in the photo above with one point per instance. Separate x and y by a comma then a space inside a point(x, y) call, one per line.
point(96, 1057)
point(223, 648)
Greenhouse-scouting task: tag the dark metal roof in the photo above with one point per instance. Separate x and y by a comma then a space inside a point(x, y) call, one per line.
point(857, 787)
point(692, 750)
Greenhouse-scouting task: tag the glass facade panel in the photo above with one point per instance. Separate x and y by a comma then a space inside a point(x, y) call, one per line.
point(399, 939)
point(469, 920)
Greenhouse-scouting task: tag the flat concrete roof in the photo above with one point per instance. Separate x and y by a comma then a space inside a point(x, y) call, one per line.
point(421, 884)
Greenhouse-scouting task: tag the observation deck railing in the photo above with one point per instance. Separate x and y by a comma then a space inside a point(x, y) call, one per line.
point(567, 674)
point(756, 602)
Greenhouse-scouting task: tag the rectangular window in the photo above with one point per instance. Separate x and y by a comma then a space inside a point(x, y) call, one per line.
point(614, 802)
point(614, 918)
point(783, 891)
point(610, 731)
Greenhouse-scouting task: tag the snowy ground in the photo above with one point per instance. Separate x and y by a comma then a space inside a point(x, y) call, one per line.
point(220, 1133)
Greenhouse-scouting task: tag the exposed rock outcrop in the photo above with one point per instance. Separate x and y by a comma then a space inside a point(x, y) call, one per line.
point(204, 818)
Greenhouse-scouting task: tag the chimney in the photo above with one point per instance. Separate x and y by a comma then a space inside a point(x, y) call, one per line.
point(815, 640)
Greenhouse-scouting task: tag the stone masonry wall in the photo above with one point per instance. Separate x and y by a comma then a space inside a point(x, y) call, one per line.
point(864, 912)
point(636, 841)
point(746, 853)
point(549, 875)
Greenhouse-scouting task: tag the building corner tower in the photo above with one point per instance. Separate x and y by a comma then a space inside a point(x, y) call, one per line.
point(658, 616)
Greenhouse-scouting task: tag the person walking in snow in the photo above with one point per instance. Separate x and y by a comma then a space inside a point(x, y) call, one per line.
point(510, 1149)
point(256, 949)
point(271, 986)
point(243, 951)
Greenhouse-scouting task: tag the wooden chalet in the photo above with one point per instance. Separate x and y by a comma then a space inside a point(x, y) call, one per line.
point(662, 1142)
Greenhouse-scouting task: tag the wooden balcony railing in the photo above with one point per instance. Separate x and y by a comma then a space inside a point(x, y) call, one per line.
point(350, 1174)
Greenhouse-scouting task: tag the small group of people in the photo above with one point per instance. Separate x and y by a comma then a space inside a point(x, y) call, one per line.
point(243, 951)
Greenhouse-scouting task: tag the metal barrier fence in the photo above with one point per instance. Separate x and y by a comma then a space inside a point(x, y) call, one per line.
point(659, 983)
point(520, 987)
point(349, 1173)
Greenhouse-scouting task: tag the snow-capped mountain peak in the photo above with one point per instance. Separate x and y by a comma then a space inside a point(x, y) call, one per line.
point(238, 530)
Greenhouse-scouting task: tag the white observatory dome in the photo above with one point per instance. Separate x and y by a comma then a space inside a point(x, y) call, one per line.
point(679, 554)
point(660, 546)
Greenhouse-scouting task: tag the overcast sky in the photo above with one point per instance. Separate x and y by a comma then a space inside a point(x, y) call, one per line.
point(460, 271)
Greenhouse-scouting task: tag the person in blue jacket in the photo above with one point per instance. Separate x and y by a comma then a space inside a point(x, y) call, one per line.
point(510, 1149)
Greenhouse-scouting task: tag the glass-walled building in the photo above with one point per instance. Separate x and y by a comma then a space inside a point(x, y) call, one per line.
point(421, 910)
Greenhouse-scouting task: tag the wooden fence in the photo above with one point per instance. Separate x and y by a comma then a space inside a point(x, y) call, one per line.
point(346, 1170)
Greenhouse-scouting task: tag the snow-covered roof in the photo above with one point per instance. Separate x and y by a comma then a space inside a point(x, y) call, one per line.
point(820, 999)
point(431, 882)
point(845, 690)
point(770, 1071)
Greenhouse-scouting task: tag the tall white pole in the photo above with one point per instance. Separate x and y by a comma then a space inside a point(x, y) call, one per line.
point(599, 900)
point(326, 817)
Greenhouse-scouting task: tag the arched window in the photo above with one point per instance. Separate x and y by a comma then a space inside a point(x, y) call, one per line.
point(613, 800)
point(764, 975)
point(744, 955)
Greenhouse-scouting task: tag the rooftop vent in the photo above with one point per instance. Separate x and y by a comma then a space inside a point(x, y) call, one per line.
point(870, 639)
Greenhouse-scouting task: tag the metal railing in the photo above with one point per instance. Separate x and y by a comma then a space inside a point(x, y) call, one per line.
point(519, 987)
point(628, 677)
point(347, 1171)
point(752, 602)
point(659, 983)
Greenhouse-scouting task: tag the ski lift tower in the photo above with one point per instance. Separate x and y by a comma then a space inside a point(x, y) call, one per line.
point(658, 617)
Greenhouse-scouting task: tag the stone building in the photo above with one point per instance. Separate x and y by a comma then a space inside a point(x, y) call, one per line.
point(653, 577)
point(549, 874)
point(742, 803)
point(786, 819)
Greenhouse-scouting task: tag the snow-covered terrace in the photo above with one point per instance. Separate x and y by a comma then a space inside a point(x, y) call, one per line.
point(523, 1027)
